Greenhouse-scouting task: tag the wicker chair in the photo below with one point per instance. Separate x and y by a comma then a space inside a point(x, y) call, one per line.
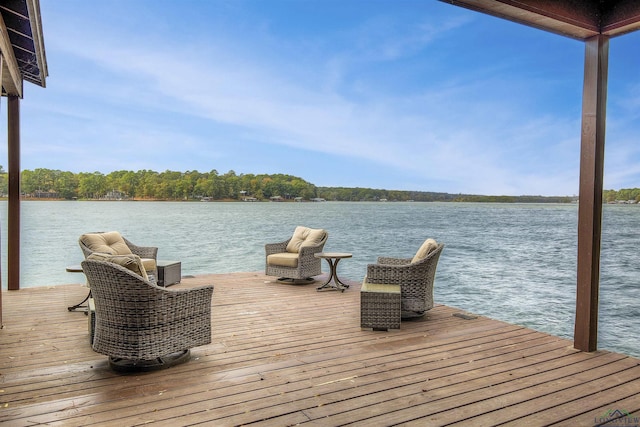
point(113, 243)
point(293, 260)
point(142, 326)
point(415, 276)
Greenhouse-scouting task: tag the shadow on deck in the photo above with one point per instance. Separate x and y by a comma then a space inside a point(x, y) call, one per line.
point(287, 355)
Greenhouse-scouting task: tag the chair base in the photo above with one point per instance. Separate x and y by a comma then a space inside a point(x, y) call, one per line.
point(288, 281)
point(409, 315)
point(129, 365)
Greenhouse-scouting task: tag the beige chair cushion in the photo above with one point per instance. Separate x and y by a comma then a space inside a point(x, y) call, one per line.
point(130, 261)
point(284, 259)
point(107, 243)
point(149, 264)
point(304, 236)
point(426, 248)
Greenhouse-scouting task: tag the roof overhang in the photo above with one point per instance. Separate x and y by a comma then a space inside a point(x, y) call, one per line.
point(22, 45)
point(578, 19)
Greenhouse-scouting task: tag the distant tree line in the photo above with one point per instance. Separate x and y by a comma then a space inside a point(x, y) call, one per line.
point(515, 199)
point(194, 185)
point(623, 195)
point(151, 185)
point(358, 194)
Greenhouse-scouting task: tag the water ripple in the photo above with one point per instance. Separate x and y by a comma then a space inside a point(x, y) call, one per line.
point(514, 262)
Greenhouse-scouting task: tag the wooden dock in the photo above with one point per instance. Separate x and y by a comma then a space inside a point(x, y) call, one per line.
point(285, 355)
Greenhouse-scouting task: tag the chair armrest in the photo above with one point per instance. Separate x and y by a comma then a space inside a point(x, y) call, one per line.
point(142, 251)
point(393, 261)
point(187, 312)
point(184, 303)
point(306, 255)
point(389, 273)
point(195, 292)
point(309, 251)
point(276, 248)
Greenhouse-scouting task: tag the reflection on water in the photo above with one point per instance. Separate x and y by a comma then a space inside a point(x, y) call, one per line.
point(514, 262)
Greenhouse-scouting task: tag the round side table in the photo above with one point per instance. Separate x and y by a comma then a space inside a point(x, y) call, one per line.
point(78, 269)
point(333, 258)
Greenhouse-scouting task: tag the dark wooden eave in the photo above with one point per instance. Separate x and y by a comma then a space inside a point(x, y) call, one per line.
point(578, 19)
point(23, 45)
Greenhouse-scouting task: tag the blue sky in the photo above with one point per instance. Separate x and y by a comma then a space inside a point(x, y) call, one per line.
point(402, 95)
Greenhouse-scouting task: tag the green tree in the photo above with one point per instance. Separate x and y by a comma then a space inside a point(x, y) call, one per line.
point(66, 185)
point(148, 184)
point(91, 185)
point(28, 182)
point(4, 182)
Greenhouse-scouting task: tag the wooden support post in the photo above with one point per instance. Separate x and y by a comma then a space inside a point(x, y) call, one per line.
point(13, 225)
point(1, 324)
point(594, 99)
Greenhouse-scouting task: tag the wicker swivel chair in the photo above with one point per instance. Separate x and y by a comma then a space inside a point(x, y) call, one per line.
point(415, 276)
point(142, 326)
point(113, 243)
point(293, 260)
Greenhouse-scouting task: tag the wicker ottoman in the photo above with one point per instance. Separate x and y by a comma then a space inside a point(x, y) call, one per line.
point(380, 306)
point(169, 273)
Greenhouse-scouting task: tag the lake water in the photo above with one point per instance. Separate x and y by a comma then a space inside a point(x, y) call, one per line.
point(513, 262)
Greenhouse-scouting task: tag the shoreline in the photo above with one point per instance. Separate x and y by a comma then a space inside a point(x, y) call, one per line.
point(515, 202)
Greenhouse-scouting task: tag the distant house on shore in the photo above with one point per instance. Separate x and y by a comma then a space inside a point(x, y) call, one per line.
point(51, 194)
point(623, 202)
point(114, 195)
point(276, 198)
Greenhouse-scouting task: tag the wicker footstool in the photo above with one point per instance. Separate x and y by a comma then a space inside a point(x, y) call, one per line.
point(380, 306)
point(169, 272)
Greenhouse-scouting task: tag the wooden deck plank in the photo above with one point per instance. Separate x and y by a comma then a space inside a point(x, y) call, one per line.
point(448, 392)
point(543, 394)
point(586, 407)
point(288, 355)
point(305, 395)
point(331, 362)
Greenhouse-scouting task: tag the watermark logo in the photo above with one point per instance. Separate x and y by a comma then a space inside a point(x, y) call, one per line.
point(617, 418)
